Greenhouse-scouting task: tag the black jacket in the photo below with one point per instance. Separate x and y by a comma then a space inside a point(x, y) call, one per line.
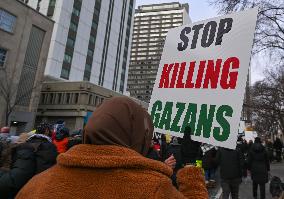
point(45, 153)
point(153, 154)
point(164, 146)
point(22, 169)
point(190, 151)
point(231, 163)
point(176, 151)
point(258, 163)
point(278, 144)
point(28, 159)
point(208, 160)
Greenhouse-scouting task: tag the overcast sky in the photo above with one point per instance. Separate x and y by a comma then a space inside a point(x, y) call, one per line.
point(199, 10)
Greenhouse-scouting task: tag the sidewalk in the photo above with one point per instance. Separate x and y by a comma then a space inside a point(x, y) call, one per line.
point(245, 191)
point(246, 187)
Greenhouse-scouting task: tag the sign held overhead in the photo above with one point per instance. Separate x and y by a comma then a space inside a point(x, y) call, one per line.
point(202, 77)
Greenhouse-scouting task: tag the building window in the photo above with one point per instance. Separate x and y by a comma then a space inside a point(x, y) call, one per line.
point(59, 98)
point(42, 98)
point(50, 99)
point(73, 26)
point(51, 7)
point(94, 24)
point(76, 11)
point(87, 75)
point(92, 39)
point(7, 21)
point(76, 98)
point(68, 98)
point(88, 67)
point(70, 42)
point(52, 2)
point(67, 58)
point(90, 52)
point(3, 54)
point(64, 73)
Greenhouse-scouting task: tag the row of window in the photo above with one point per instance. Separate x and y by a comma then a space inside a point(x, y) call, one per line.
point(149, 39)
point(145, 98)
point(149, 31)
point(135, 51)
point(144, 76)
point(146, 58)
point(140, 87)
point(135, 45)
point(59, 98)
point(69, 50)
point(141, 91)
point(95, 100)
point(139, 52)
point(143, 63)
point(92, 41)
point(169, 25)
point(68, 99)
point(168, 16)
point(140, 81)
point(126, 45)
point(158, 21)
point(143, 54)
point(161, 34)
point(134, 72)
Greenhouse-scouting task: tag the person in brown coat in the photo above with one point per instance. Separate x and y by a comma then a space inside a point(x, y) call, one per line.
point(111, 162)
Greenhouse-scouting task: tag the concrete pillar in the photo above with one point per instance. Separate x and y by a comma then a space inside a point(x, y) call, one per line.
point(79, 123)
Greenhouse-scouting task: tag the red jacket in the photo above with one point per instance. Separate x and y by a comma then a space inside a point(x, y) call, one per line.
point(61, 145)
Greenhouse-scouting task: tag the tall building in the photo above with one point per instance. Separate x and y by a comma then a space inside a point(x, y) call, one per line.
point(90, 41)
point(151, 24)
point(24, 42)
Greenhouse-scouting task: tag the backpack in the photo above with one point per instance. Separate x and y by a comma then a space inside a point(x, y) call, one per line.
point(276, 186)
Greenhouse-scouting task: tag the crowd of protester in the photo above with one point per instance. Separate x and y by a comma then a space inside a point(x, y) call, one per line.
point(118, 155)
point(26, 155)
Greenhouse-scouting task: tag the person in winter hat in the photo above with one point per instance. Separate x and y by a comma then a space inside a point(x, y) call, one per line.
point(278, 146)
point(111, 162)
point(259, 166)
point(209, 164)
point(5, 148)
point(56, 127)
point(61, 140)
point(4, 131)
point(30, 155)
point(231, 162)
point(20, 170)
point(190, 150)
point(153, 153)
point(174, 149)
point(164, 146)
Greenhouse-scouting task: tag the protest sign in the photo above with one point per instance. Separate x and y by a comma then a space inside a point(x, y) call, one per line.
point(202, 77)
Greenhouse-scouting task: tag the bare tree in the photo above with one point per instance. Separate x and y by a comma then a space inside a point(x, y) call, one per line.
point(9, 79)
point(269, 35)
point(268, 100)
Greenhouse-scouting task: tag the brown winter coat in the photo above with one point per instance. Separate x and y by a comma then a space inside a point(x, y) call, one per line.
point(105, 171)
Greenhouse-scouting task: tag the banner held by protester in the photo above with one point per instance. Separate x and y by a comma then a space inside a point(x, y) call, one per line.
point(202, 78)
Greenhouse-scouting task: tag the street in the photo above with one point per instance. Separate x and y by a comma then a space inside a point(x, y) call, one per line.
point(246, 187)
point(245, 191)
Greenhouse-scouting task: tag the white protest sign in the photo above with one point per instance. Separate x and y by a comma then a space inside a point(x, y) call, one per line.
point(202, 77)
